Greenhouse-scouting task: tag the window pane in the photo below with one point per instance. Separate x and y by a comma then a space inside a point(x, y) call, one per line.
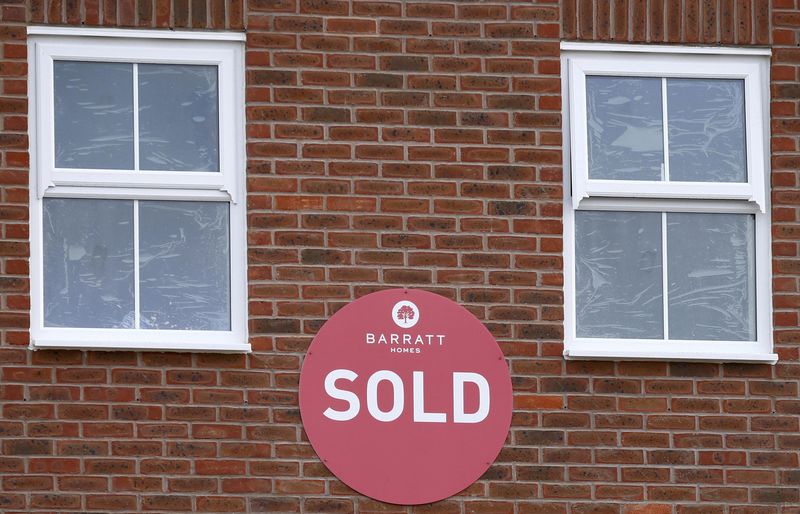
point(178, 122)
point(184, 269)
point(618, 274)
point(706, 130)
point(711, 263)
point(88, 263)
point(93, 115)
point(626, 138)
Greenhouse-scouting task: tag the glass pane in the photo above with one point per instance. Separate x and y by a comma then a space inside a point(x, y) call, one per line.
point(711, 271)
point(626, 138)
point(88, 263)
point(706, 130)
point(178, 121)
point(93, 115)
point(618, 274)
point(184, 270)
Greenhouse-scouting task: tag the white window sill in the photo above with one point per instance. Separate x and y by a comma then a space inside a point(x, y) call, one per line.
point(78, 343)
point(668, 355)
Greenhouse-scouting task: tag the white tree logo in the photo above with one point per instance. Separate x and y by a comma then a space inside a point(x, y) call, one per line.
point(405, 314)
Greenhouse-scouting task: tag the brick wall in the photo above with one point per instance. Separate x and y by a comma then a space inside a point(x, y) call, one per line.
point(727, 22)
point(402, 144)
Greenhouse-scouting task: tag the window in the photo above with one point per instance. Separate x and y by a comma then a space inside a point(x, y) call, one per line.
point(137, 200)
point(666, 219)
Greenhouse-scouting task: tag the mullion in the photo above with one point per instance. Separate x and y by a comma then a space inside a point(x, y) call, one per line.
point(136, 292)
point(136, 117)
point(136, 295)
point(664, 239)
point(665, 274)
point(665, 127)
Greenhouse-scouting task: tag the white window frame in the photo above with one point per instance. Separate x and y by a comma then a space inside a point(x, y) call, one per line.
point(225, 50)
point(581, 193)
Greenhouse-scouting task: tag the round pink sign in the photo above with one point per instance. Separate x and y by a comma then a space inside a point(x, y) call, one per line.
point(405, 396)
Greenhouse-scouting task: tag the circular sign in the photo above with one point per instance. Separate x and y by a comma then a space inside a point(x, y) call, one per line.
point(405, 396)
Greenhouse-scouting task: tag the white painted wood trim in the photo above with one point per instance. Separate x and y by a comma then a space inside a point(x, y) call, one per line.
point(567, 46)
point(752, 69)
point(138, 346)
point(41, 30)
point(668, 205)
point(635, 198)
point(657, 355)
point(226, 186)
point(227, 56)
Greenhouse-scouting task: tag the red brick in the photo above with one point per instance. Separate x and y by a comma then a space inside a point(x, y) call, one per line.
point(402, 143)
